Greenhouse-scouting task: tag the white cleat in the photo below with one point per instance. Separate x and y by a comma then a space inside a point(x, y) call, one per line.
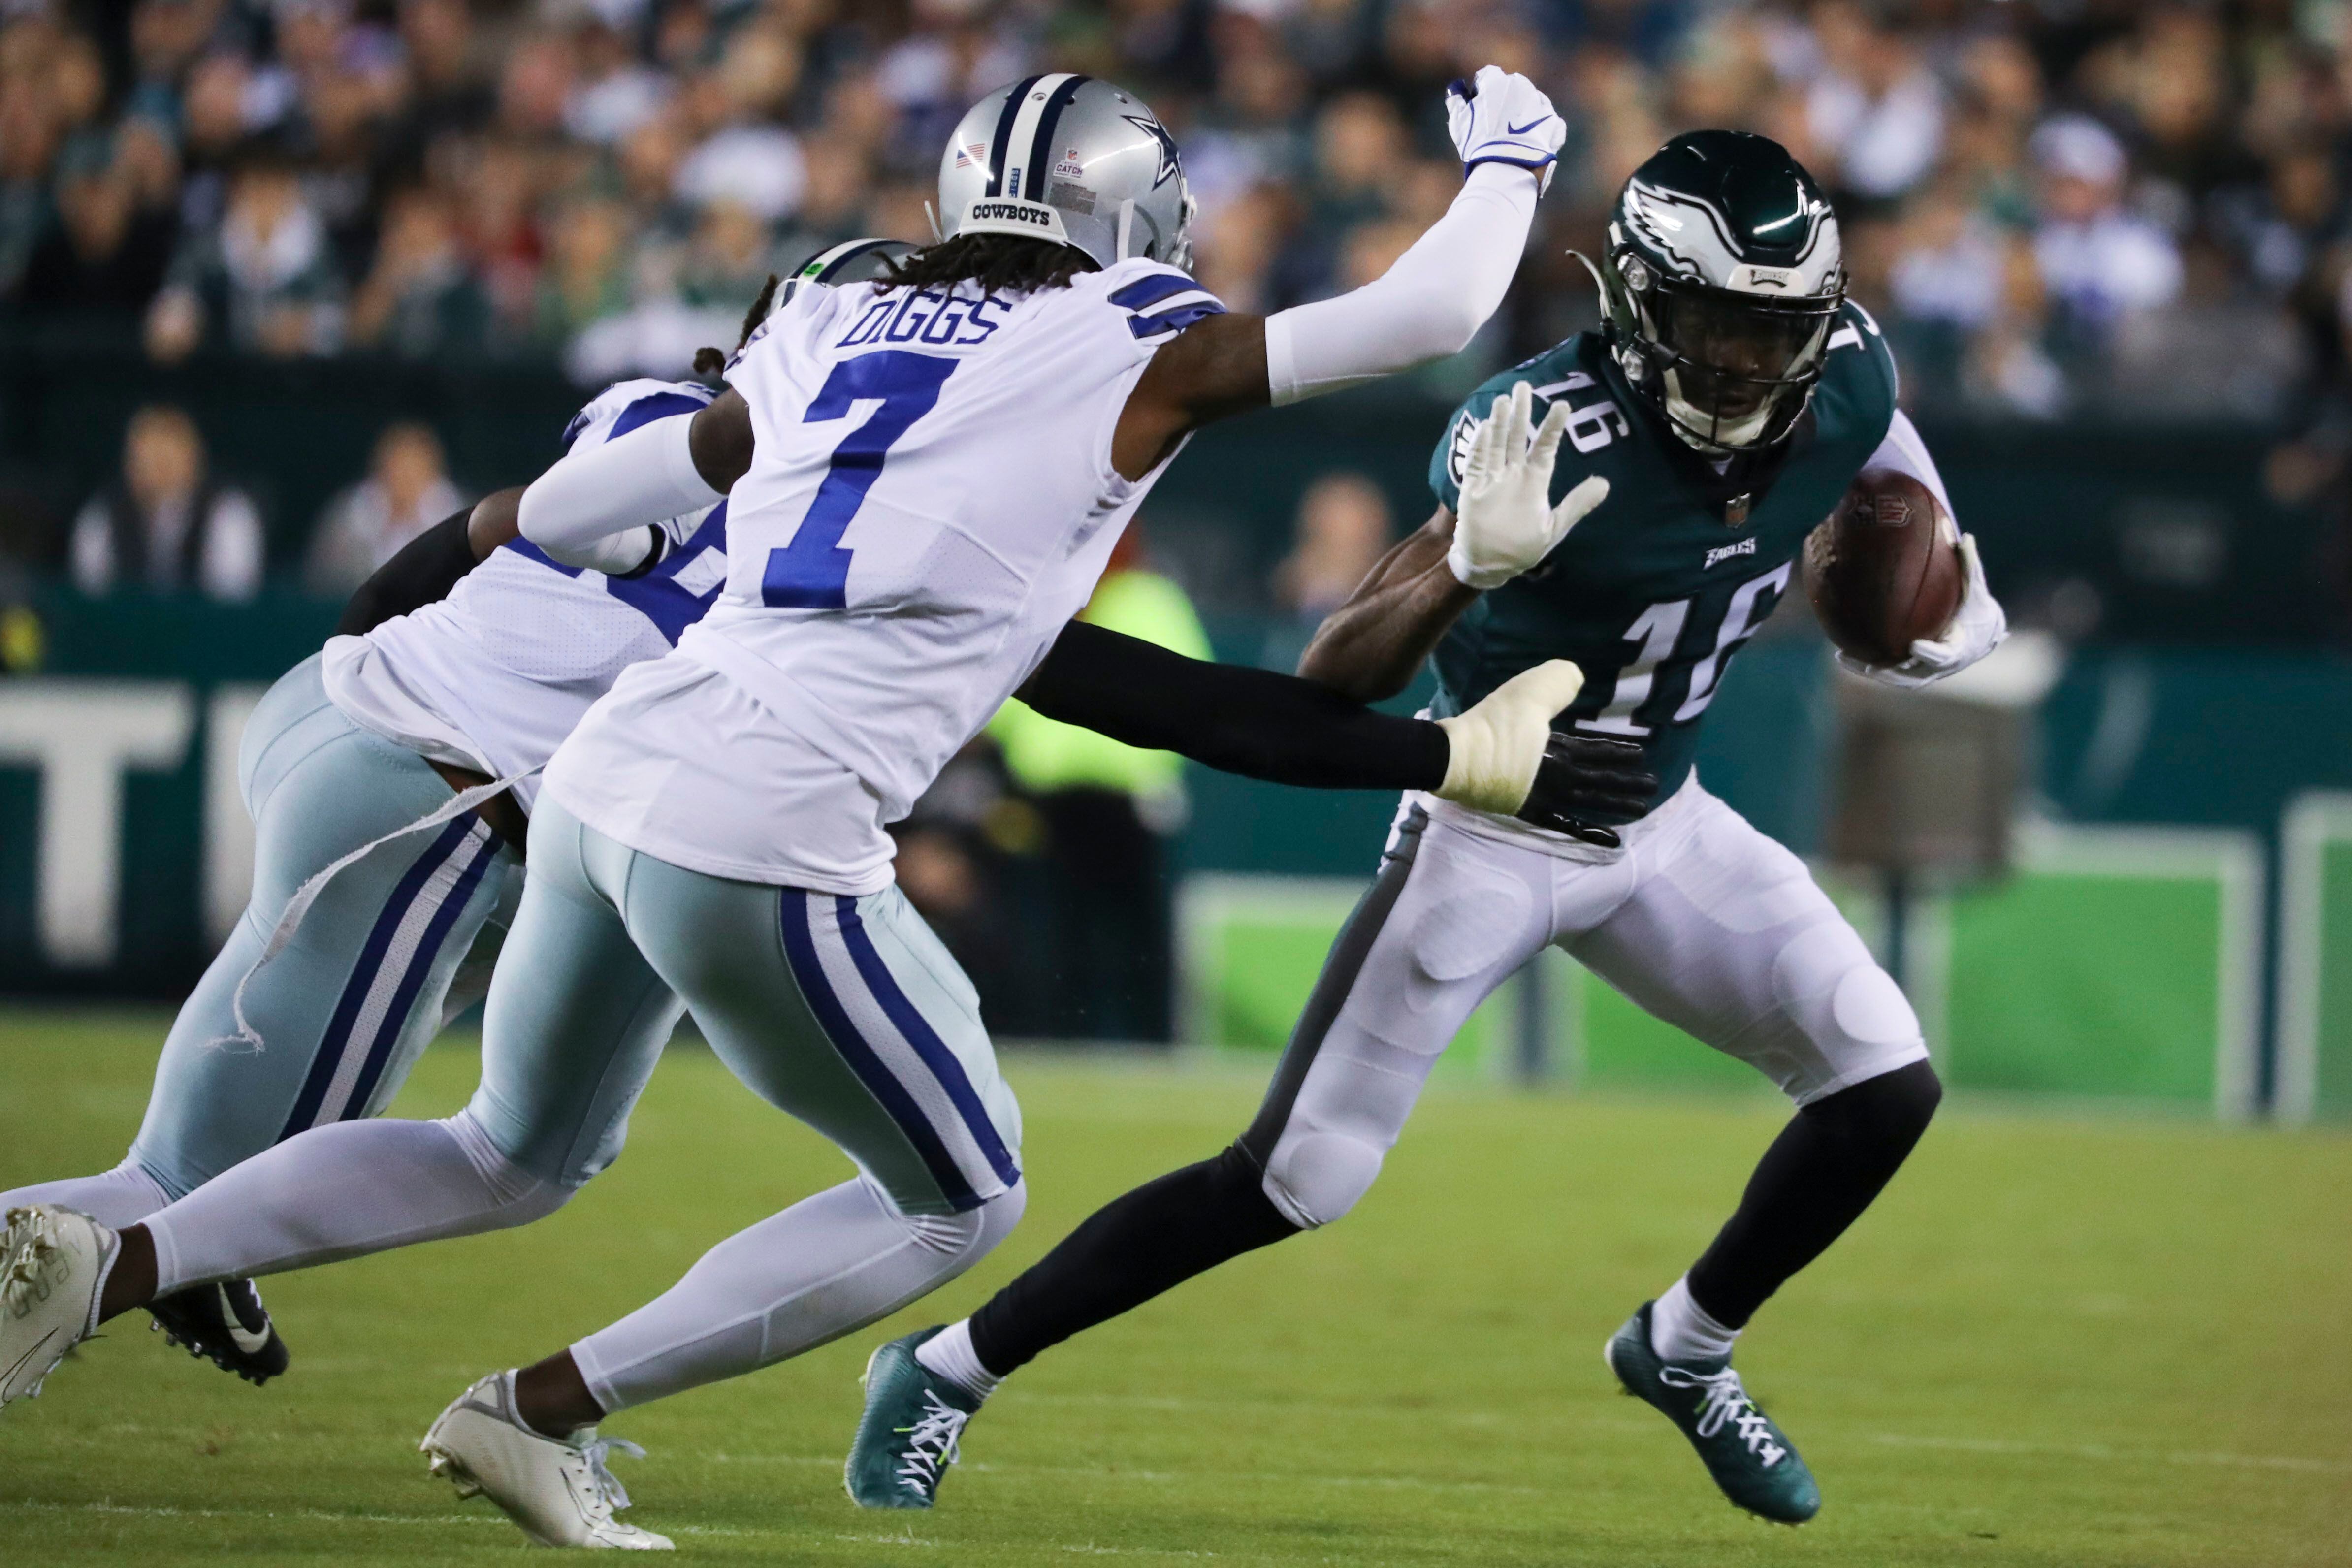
point(52, 1264)
point(557, 1490)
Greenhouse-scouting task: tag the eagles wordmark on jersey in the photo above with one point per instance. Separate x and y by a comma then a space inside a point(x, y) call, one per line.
point(1655, 592)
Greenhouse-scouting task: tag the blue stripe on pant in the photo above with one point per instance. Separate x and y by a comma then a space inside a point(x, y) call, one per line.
point(795, 912)
point(917, 1032)
point(846, 1013)
point(344, 1010)
point(401, 950)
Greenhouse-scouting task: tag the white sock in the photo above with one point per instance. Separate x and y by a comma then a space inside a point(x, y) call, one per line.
point(1680, 1329)
point(826, 1267)
point(123, 1195)
point(949, 1352)
point(342, 1191)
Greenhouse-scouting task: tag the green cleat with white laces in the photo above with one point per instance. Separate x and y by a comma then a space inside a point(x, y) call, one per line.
point(1749, 1457)
point(907, 1439)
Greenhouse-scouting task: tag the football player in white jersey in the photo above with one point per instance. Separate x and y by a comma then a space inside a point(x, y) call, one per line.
point(924, 479)
point(456, 663)
point(350, 747)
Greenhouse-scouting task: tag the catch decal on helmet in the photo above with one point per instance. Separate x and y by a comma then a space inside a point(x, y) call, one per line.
point(1720, 285)
point(1071, 159)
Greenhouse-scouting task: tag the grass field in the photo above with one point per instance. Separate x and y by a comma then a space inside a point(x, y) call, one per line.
point(2064, 1342)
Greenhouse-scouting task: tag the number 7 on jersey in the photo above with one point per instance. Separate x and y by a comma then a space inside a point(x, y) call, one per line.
point(812, 572)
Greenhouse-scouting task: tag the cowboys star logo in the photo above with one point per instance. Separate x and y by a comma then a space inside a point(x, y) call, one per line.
point(1168, 167)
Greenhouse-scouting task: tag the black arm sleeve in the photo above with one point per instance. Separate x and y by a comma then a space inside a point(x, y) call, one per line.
point(1255, 723)
point(424, 571)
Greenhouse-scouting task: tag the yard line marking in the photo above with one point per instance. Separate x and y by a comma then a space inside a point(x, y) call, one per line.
point(127, 1511)
point(1101, 1472)
point(1597, 1421)
point(2100, 1452)
point(1088, 1550)
point(119, 1510)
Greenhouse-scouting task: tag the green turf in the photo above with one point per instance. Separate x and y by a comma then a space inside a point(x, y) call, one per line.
point(2054, 1342)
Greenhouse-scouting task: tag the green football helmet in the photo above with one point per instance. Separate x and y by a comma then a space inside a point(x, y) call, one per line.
point(1721, 288)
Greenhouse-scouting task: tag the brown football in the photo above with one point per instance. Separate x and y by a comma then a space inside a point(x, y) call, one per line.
point(1885, 569)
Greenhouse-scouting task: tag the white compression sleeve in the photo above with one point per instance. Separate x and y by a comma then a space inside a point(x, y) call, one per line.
point(342, 1191)
point(645, 477)
point(1906, 453)
point(123, 1195)
point(1430, 304)
point(824, 1268)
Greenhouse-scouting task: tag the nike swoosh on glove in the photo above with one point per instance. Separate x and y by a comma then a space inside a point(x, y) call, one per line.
point(1504, 521)
point(1501, 117)
point(1977, 629)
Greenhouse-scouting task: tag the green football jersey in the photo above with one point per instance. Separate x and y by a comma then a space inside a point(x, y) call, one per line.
point(1652, 593)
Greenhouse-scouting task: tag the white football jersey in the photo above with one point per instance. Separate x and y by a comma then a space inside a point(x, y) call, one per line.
point(494, 676)
point(930, 500)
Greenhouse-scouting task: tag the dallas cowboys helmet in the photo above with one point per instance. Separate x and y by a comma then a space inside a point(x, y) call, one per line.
point(1720, 287)
point(1071, 159)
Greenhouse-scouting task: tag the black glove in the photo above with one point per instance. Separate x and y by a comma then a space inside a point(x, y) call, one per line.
point(1588, 784)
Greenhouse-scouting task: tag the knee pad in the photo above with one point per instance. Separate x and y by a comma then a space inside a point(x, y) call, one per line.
point(1314, 1177)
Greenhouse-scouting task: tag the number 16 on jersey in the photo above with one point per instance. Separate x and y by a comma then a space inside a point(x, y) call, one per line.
point(812, 572)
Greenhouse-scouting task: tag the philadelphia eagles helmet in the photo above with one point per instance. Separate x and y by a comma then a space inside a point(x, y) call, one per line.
point(1070, 158)
point(851, 261)
point(1720, 285)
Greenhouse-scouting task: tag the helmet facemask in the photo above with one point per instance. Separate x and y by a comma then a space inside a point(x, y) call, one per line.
point(1731, 371)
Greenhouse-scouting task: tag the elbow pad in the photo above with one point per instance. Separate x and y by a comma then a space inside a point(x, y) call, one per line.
point(645, 477)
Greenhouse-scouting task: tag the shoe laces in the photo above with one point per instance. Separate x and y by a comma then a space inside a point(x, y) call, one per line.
point(29, 1246)
point(602, 1484)
point(931, 1446)
point(1727, 1403)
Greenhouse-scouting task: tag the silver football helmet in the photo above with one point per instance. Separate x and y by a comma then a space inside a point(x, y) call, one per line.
point(1070, 158)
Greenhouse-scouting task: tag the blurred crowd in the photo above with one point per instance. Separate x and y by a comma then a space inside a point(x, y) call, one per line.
point(2057, 205)
point(166, 522)
point(2083, 210)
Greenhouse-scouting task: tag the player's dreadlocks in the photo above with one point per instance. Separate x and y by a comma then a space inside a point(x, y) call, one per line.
point(710, 361)
point(1000, 264)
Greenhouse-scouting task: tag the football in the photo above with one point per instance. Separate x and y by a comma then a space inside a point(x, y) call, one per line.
point(1885, 569)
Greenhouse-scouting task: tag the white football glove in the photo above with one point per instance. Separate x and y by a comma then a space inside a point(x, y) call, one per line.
point(1977, 629)
point(1497, 745)
point(1501, 117)
point(1504, 521)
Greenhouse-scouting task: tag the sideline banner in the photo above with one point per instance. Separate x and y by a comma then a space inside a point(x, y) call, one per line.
point(125, 850)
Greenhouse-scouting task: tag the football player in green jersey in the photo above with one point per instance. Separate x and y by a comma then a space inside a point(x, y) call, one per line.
point(1728, 401)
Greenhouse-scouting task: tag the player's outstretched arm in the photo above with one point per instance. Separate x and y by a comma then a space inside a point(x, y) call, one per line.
point(1427, 306)
point(428, 566)
point(1500, 756)
point(600, 508)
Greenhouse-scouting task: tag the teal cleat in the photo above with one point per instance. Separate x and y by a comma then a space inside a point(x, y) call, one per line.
point(907, 1439)
point(1749, 1457)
